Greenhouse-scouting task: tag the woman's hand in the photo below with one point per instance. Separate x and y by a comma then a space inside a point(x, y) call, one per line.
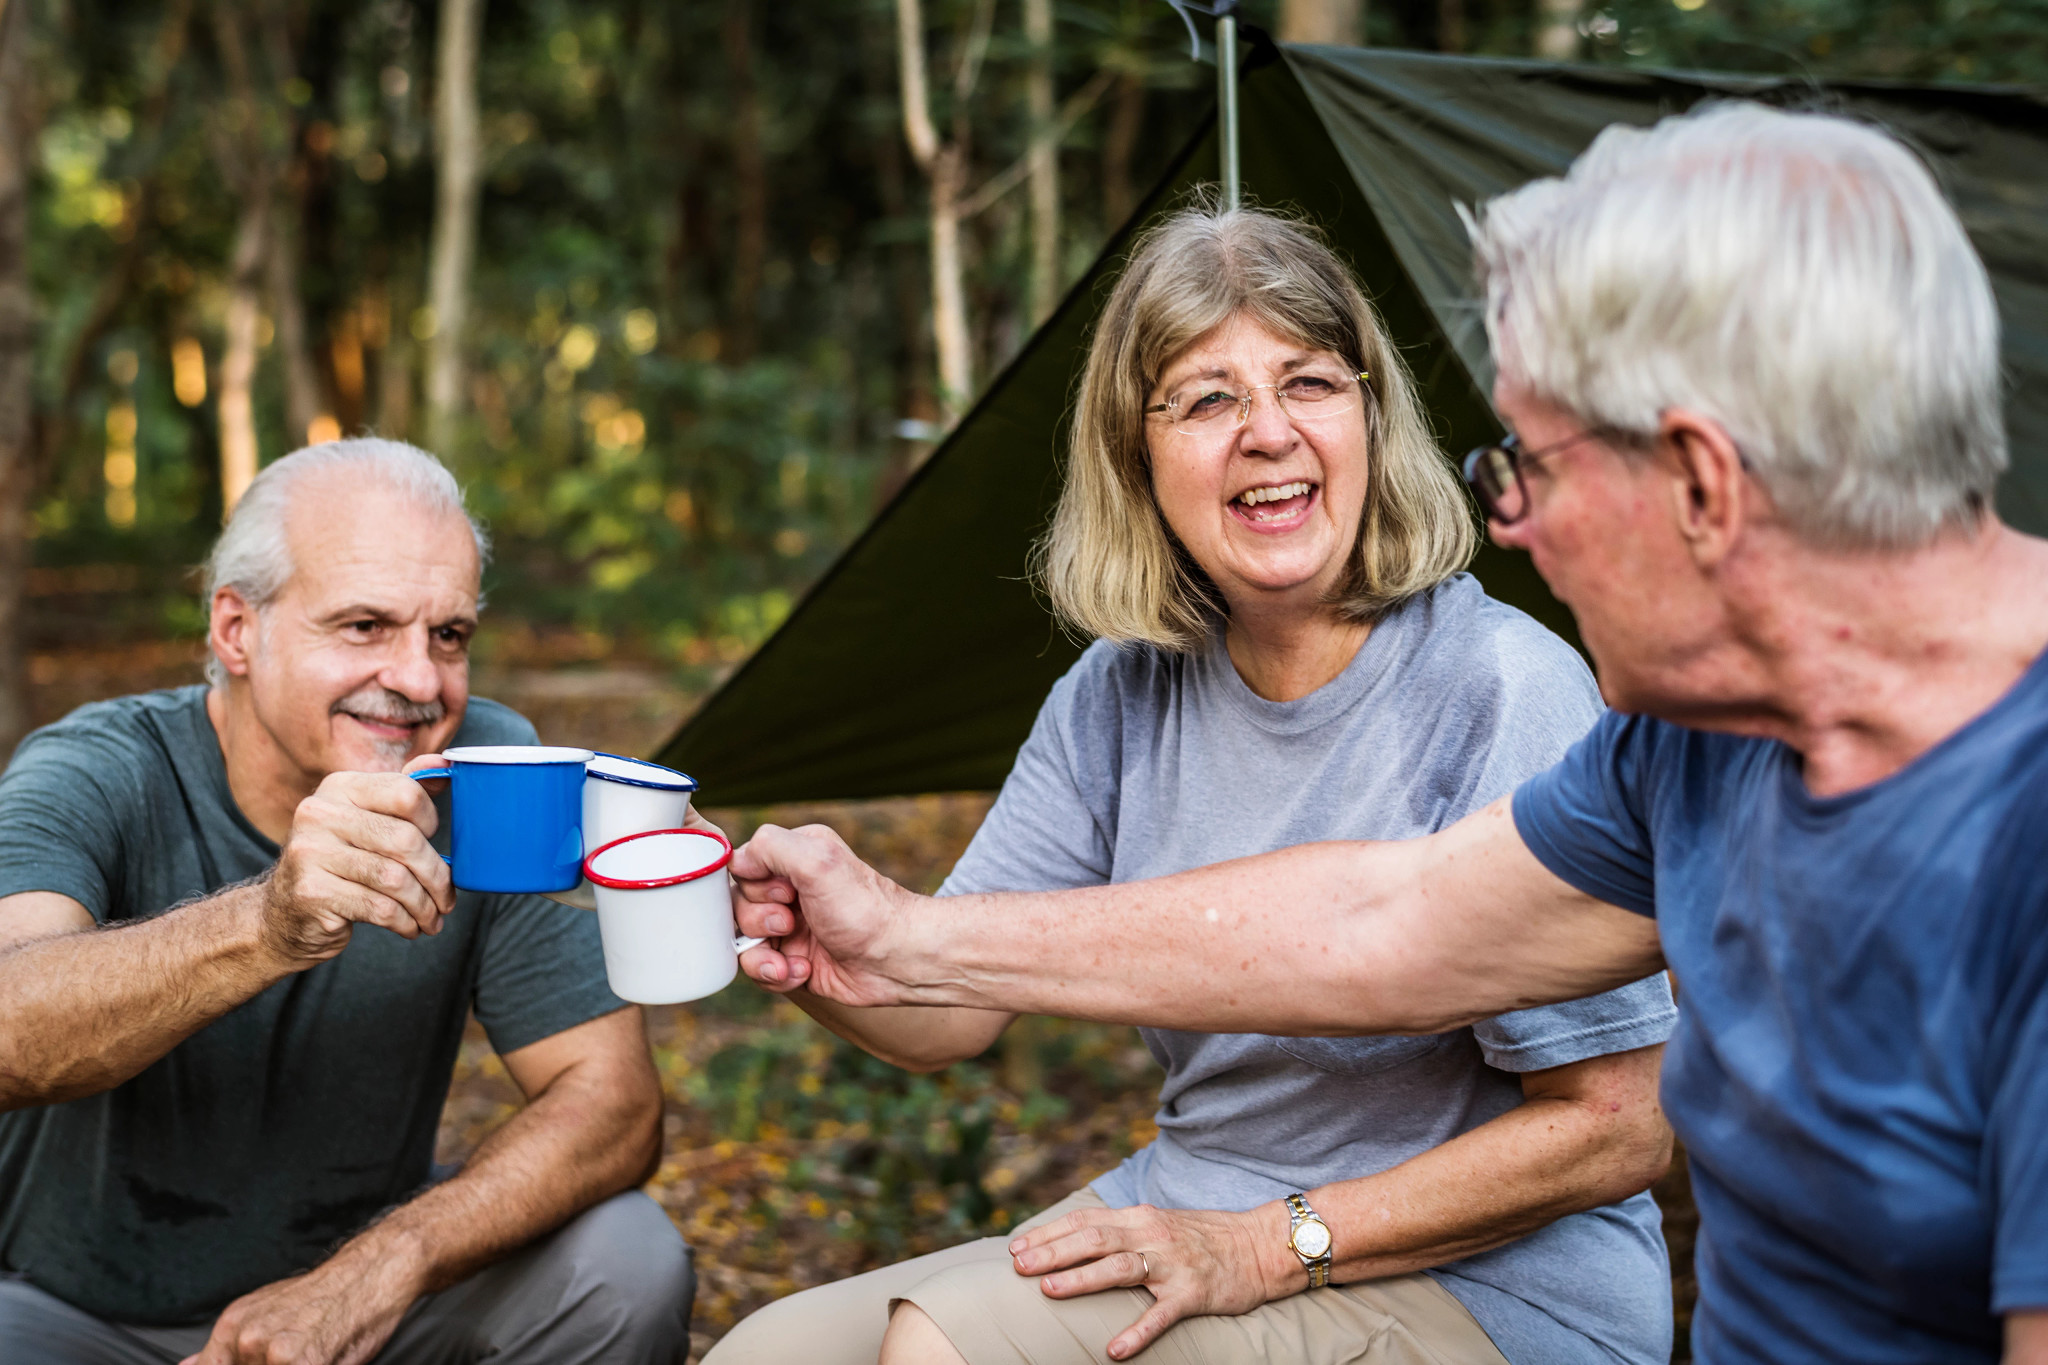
point(1195, 1262)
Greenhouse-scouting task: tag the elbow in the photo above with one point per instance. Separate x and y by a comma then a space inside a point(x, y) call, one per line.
point(1635, 1155)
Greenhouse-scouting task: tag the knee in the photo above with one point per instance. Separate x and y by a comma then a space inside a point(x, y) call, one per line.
point(628, 1249)
point(914, 1339)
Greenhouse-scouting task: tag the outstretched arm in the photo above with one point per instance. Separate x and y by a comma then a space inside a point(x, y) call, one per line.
point(1416, 936)
point(86, 1008)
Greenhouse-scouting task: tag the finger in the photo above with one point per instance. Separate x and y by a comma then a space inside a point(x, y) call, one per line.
point(750, 860)
point(694, 819)
point(1068, 1225)
point(397, 840)
point(1116, 1271)
point(768, 967)
point(757, 920)
point(1146, 1330)
point(390, 794)
point(422, 763)
point(767, 890)
point(391, 889)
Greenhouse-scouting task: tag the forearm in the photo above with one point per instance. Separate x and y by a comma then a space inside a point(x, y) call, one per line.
point(87, 1010)
point(1533, 1165)
point(914, 1037)
point(1416, 936)
point(577, 1143)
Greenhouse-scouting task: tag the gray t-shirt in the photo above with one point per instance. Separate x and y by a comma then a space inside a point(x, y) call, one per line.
point(246, 1152)
point(1144, 763)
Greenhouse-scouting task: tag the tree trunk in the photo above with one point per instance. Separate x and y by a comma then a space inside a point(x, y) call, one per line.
point(945, 164)
point(238, 457)
point(749, 183)
point(1341, 22)
point(304, 402)
point(458, 168)
point(17, 352)
point(1045, 163)
point(1557, 29)
point(949, 289)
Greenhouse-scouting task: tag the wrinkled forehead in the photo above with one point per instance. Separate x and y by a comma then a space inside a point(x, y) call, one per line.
point(379, 544)
point(1240, 345)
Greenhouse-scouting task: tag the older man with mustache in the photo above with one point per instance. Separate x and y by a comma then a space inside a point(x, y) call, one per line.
point(234, 976)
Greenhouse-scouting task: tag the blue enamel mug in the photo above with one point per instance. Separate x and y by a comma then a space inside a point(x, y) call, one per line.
point(517, 816)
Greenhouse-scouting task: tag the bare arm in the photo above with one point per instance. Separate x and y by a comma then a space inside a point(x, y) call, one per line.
point(2026, 1337)
point(1587, 1134)
point(86, 1008)
point(591, 1128)
point(916, 1038)
point(1416, 936)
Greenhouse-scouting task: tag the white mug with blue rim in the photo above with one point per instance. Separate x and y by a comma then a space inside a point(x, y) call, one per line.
point(624, 796)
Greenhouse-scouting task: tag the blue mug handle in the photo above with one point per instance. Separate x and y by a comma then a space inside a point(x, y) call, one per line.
point(427, 775)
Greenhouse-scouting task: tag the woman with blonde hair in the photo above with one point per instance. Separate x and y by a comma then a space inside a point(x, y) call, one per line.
point(1268, 545)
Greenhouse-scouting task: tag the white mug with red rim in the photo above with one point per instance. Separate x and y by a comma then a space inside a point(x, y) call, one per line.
point(664, 910)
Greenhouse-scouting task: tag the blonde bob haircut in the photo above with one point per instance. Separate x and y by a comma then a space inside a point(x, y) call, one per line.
point(1110, 565)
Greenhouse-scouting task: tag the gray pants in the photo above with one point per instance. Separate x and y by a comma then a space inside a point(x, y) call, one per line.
point(613, 1286)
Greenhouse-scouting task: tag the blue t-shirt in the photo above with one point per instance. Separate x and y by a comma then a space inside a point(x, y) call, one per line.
point(1860, 1071)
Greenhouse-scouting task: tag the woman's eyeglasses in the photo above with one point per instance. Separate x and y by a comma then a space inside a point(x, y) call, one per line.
point(1206, 411)
point(1494, 474)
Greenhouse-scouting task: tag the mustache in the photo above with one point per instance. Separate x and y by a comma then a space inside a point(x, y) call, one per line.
point(386, 707)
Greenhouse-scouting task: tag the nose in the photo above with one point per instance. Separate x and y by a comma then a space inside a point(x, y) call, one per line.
point(1267, 427)
point(410, 671)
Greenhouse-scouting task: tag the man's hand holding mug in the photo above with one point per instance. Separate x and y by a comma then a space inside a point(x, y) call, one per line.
point(830, 918)
point(358, 853)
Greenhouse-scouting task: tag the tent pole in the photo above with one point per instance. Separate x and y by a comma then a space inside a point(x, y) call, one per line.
point(1226, 100)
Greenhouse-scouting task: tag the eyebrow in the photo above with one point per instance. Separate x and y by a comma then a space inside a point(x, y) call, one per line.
point(359, 611)
point(1300, 361)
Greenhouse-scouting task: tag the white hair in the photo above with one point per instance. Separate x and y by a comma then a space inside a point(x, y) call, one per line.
point(254, 555)
point(1799, 278)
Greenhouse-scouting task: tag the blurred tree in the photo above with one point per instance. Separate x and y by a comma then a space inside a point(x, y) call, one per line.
point(17, 345)
point(1045, 162)
point(1340, 22)
point(1557, 29)
point(457, 170)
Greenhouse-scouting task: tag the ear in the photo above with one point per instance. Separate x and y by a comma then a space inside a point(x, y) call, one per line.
point(1710, 493)
point(231, 631)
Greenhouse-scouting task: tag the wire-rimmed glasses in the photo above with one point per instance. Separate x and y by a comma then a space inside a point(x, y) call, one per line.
point(1494, 474)
point(1204, 409)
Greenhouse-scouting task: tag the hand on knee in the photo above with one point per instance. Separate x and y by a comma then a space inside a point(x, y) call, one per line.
point(914, 1339)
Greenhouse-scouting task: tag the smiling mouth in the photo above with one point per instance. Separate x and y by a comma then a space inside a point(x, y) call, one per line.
point(1274, 504)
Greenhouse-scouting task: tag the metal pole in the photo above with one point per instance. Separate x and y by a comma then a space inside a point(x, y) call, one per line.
point(1226, 100)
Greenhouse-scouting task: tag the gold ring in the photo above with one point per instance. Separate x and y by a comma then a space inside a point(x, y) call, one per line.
point(1146, 1262)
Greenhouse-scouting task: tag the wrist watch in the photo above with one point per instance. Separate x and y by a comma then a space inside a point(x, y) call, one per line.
point(1309, 1238)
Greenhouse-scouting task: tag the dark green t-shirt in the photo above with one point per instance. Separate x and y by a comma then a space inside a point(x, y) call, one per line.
point(249, 1150)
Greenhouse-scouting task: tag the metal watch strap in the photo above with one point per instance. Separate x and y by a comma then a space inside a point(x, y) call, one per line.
point(1318, 1267)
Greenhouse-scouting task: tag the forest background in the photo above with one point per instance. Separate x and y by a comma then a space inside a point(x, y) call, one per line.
point(683, 291)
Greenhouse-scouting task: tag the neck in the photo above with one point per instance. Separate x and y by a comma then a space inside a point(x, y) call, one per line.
point(266, 784)
point(1285, 654)
point(1863, 661)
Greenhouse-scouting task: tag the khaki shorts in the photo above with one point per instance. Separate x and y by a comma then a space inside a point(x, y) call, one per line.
point(994, 1316)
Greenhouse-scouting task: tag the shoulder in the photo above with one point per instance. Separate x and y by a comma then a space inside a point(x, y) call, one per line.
point(491, 722)
point(135, 728)
point(1510, 650)
point(1110, 679)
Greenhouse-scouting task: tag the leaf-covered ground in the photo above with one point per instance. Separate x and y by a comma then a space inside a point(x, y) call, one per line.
point(793, 1159)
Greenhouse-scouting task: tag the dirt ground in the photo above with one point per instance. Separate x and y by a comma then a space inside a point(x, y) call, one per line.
point(792, 1159)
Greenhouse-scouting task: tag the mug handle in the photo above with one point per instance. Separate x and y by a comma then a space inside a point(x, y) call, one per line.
point(427, 775)
point(740, 945)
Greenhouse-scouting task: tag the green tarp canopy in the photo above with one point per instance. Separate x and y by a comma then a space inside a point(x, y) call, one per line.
point(919, 660)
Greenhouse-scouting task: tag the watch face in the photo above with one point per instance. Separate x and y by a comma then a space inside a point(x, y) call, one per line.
point(1312, 1239)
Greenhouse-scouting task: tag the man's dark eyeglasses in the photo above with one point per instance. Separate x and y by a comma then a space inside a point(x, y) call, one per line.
point(1494, 474)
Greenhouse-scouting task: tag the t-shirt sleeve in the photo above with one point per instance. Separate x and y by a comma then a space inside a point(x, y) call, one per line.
point(1640, 1014)
point(541, 971)
point(69, 802)
point(1584, 818)
point(1052, 826)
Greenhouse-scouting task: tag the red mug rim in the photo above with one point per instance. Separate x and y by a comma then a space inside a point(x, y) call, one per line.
point(649, 884)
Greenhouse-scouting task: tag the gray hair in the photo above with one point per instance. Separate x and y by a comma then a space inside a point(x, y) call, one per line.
point(1798, 277)
point(254, 556)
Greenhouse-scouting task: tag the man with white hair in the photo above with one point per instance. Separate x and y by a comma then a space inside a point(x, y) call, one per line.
point(234, 976)
point(1750, 361)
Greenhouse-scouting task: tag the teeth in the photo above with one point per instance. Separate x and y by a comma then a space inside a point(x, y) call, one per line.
point(1252, 497)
